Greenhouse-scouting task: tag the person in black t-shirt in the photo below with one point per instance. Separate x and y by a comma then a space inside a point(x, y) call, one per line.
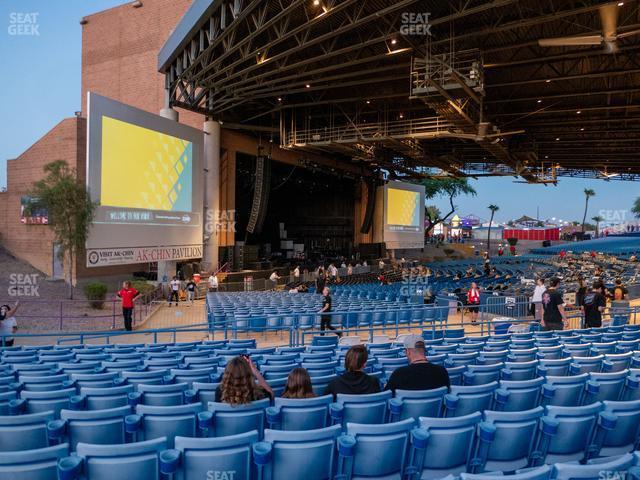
point(419, 374)
point(191, 290)
point(354, 381)
point(325, 320)
point(320, 282)
point(554, 317)
point(593, 305)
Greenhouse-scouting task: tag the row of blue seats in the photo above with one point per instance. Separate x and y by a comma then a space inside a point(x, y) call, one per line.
point(429, 448)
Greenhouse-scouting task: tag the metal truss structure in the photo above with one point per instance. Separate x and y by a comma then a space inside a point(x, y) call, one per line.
point(409, 86)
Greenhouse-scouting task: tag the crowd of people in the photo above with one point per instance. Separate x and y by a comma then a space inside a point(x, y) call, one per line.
point(242, 382)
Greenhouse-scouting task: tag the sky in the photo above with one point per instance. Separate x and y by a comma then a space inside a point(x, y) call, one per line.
point(40, 86)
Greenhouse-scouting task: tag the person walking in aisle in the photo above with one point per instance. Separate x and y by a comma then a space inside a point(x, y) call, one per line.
point(325, 320)
point(174, 290)
point(128, 294)
point(554, 316)
point(191, 291)
point(536, 299)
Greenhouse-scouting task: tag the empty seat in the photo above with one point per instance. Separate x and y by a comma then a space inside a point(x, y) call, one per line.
point(201, 392)
point(94, 380)
point(102, 398)
point(617, 362)
point(151, 422)
point(520, 370)
point(233, 419)
point(310, 454)
point(506, 440)
point(370, 408)
point(201, 456)
point(513, 396)
point(539, 473)
point(299, 414)
point(24, 432)
point(567, 433)
point(446, 445)
point(586, 364)
point(103, 462)
point(375, 451)
point(616, 468)
point(153, 377)
point(605, 386)
point(45, 383)
point(622, 433)
point(464, 400)
point(554, 367)
point(89, 426)
point(38, 464)
point(564, 391)
point(416, 403)
point(482, 374)
point(36, 402)
point(159, 395)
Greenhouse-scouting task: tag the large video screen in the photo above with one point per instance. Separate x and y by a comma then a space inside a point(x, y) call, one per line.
point(403, 215)
point(142, 173)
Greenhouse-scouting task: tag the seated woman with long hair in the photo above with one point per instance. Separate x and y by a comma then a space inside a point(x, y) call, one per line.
point(298, 384)
point(242, 383)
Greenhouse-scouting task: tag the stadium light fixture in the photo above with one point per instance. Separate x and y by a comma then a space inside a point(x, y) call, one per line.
point(582, 129)
point(394, 41)
point(316, 2)
point(547, 81)
point(557, 138)
point(620, 4)
point(539, 101)
point(579, 112)
point(308, 85)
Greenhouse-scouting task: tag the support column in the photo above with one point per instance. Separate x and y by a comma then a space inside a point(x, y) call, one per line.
point(211, 194)
point(167, 269)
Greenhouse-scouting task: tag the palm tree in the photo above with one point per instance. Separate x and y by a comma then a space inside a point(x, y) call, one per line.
point(494, 209)
point(597, 219)
point(636, 207)
point(588, 193)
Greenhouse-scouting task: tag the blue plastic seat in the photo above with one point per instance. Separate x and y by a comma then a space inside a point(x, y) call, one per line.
point(24, 432)
point(37, 464)
point(230, 455)
point(461, 359)
point(556, 367)
point(506, 440)
point(234, 419)
point(151, 377)
point(130, 460)
point(94, 380)
point(513, 396)
point(491, 357)
point(309, 455)
point(605, 386)
point(622, 435)
point(482, 374)
point(539, 473)
point(523, 355)
point(201, 392)
point(368, 409)
point(102, 398)
point(448, 445)
point(299, 414)
point(151, 422)
point(564, 391)
point(376, 451)
point(617, 362)
point(616, 468)
point(45, 383)
point(586, 365)
point(456, 374)
point(550, 352)
point(464, 400)
point(37, 402)
point(159, 395)
point(568, 433)
point(89, 426)
point(5, 399)
point(188, 376)
point(416, 403)
point(520, 370)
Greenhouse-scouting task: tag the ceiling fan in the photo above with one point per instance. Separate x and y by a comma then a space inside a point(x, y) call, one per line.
point(608, 38)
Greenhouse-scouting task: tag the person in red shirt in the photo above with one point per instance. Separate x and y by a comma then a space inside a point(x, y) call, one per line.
point(473, 301)
point(128, 294)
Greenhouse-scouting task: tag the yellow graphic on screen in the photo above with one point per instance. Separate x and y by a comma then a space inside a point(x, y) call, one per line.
point(403, 207)
point(143, 168)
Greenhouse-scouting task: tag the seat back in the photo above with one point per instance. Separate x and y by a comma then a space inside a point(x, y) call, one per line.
point(624, 437)
point(56, 400)
point(302, 414)
point(106, 398)
point(615, 468)
point(513, 439)
point(168, 421)
point(130, 460)
point(608, 386)
point(575, 431)
point(381, 450)
point(24, 432)
point(482, 374)
point(564, 391)
point(201, 456)
point(163, 395)
point(307, 454)
point(513, 396)
point(370, 408)
point(464, 400)
point(449, 444)
point(418, 403)
point(38, 464)
point(94, 426)
point(235, 419)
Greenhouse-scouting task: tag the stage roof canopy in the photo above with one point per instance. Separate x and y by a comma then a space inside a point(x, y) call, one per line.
point(527, 88)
